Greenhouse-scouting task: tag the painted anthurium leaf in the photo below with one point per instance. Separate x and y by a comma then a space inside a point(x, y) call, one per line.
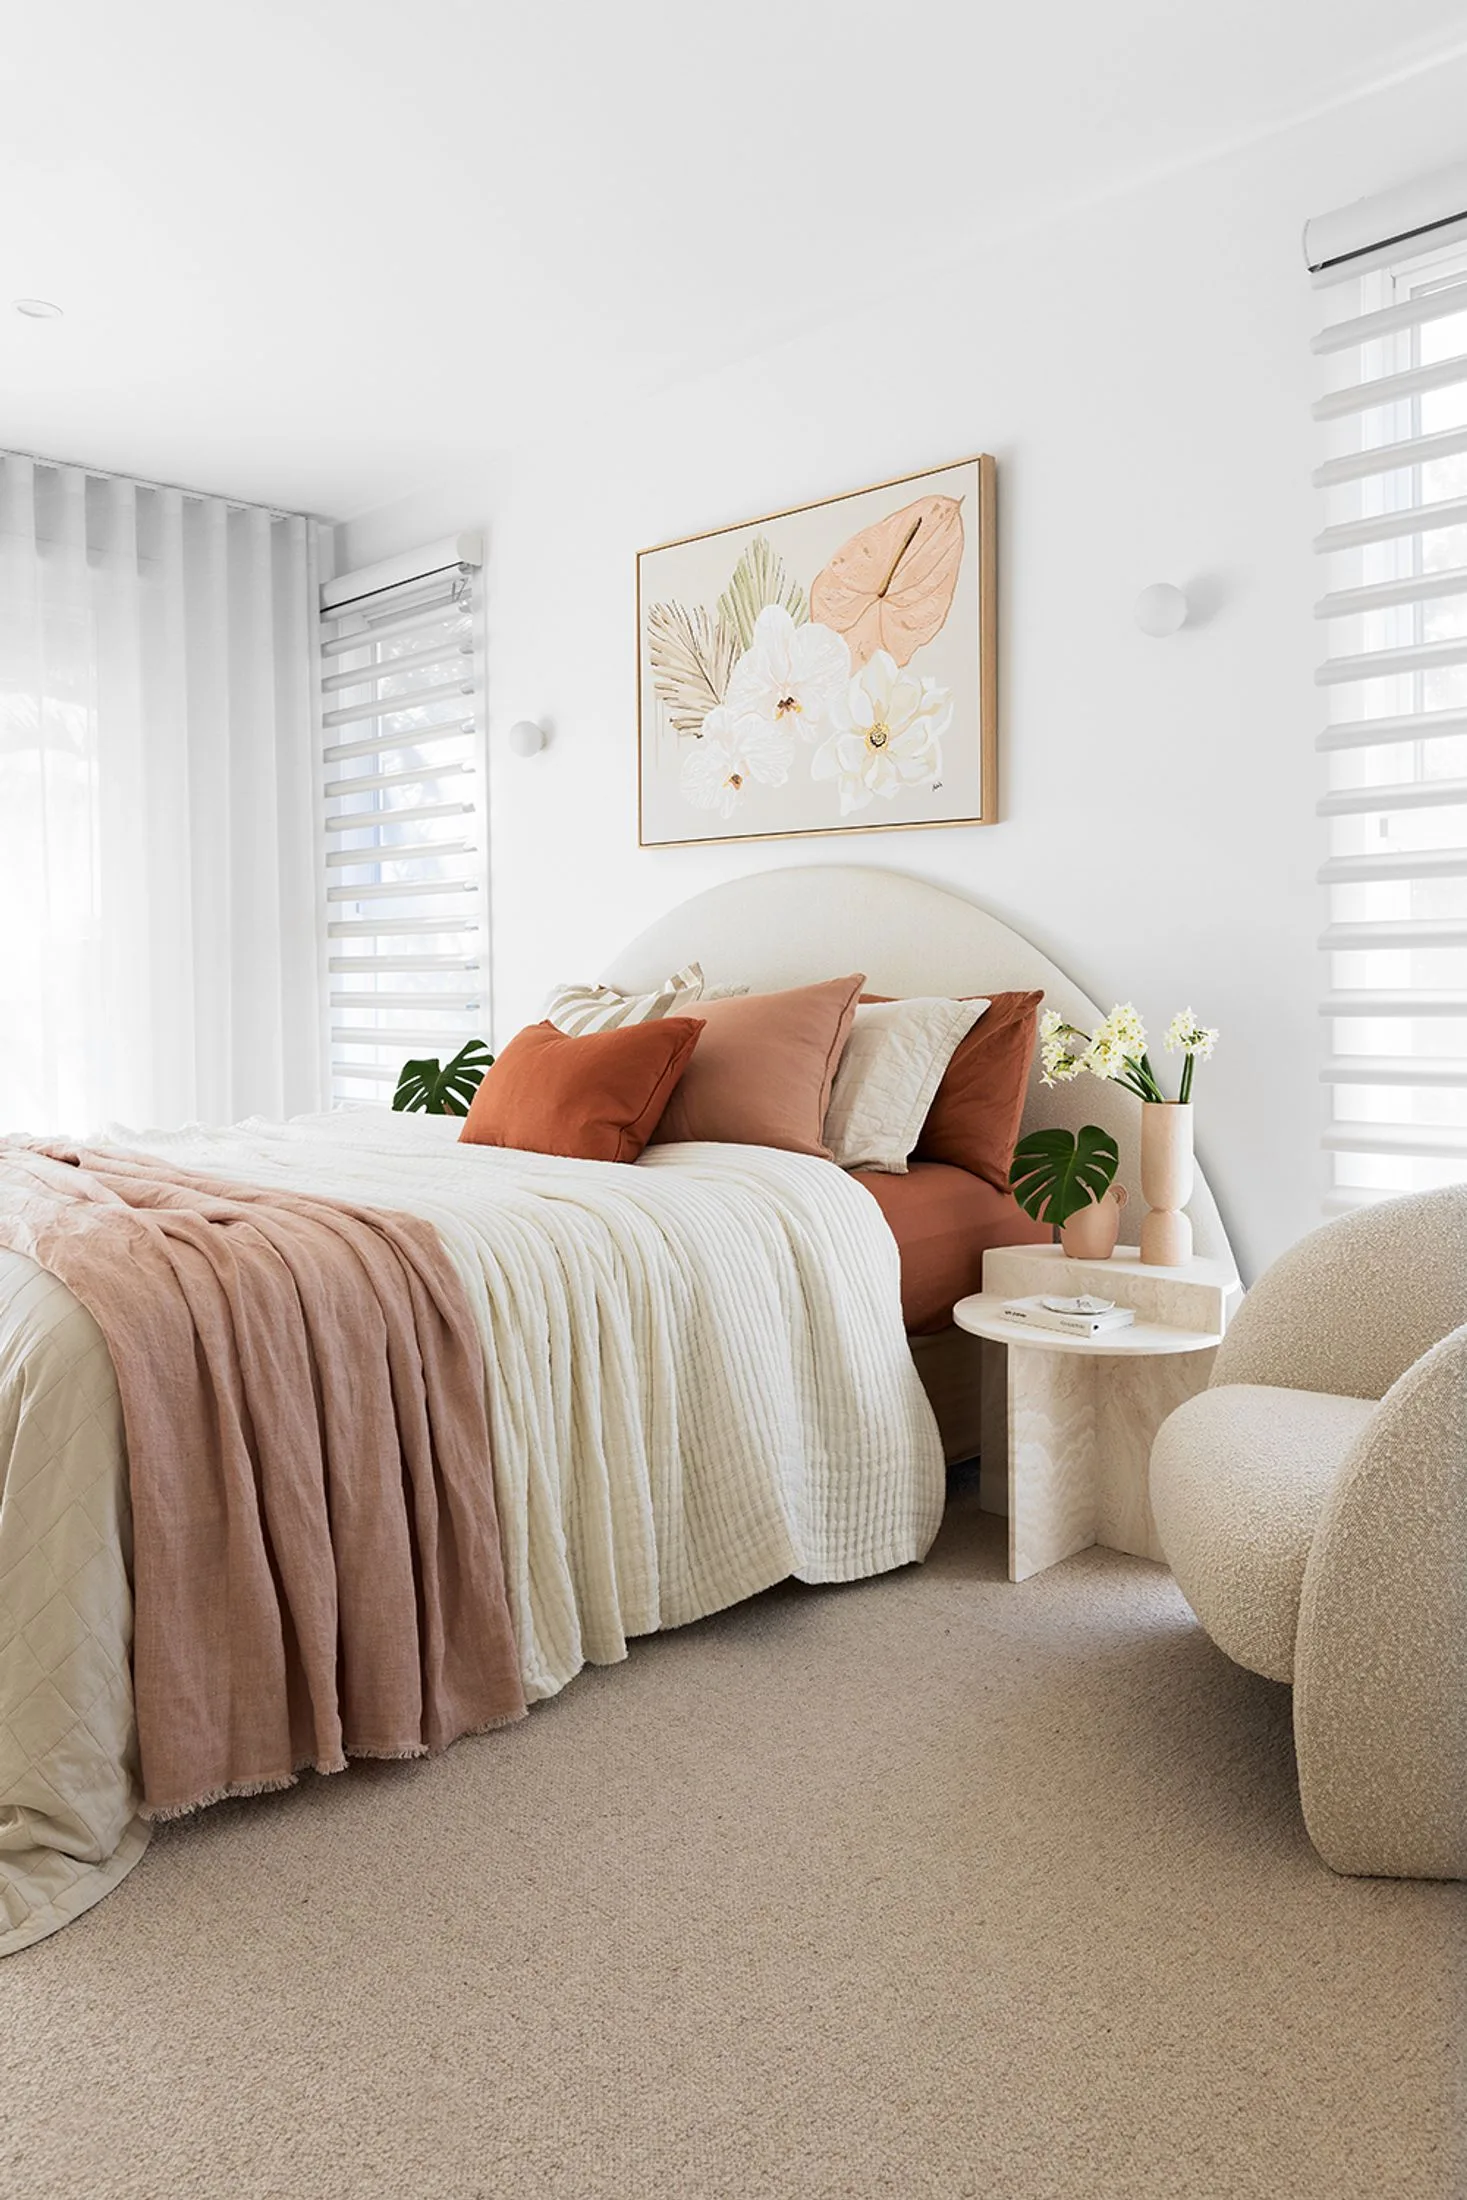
point(692, 652)
point(1056, 1172)
point(425, 1088)
point(891, 587)
point(759, 579)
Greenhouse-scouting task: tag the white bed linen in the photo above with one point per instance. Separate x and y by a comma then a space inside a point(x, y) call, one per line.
point(698, 1383)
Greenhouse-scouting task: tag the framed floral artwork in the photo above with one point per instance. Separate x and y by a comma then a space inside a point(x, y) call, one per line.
point(823, 670)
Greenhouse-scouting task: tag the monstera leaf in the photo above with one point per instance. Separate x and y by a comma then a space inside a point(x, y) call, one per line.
point(759, 580)
point(424, 1088)
point(693, 653)
point(1057, 1172)
point(891, 587)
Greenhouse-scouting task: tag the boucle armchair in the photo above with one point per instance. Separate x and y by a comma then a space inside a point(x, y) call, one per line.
point(1312, 1503)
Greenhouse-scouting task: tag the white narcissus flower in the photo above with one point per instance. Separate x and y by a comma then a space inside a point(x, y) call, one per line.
point(1060, 1060)
point(1124, 1027)
point(793, 676)
point(891, 738)
point(1128, 1023)
point(732, 750)
point(1119, 1036)
point(1184, 1035)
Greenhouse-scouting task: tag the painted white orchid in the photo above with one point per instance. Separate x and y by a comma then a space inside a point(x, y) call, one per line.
point(890, 737)
point(733, 749)
point(793, 676)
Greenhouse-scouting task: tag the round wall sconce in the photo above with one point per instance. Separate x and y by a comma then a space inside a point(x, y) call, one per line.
point(1161, 609)
point(526, 738)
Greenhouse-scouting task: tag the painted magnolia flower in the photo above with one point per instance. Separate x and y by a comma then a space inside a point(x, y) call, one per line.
point(795, 676)
point(890, 737)
point(732, 750)
point(1184, 1035)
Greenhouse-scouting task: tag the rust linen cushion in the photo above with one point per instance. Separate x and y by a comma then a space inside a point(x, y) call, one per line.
point(592, 1098)
point(974, 1119)
point(764, 1068)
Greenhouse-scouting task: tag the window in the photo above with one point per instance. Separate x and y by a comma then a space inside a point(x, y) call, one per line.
point(1395, 562)
point(404, 818)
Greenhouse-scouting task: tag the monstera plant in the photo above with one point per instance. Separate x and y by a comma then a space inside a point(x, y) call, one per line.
point(1056, 1172)
point(425, 1087)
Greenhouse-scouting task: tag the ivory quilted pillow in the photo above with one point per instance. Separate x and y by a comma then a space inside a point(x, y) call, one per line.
point(891, 1069)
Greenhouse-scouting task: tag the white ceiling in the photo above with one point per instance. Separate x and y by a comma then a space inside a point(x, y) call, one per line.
point(318, 253)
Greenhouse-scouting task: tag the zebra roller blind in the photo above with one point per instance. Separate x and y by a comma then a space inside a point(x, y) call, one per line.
point(403, 764)
point(1393, 560)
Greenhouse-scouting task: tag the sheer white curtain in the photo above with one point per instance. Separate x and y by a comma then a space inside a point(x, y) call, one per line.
point(159, 935)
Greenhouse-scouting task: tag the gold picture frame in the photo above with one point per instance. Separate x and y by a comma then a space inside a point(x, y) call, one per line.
point(881, 715)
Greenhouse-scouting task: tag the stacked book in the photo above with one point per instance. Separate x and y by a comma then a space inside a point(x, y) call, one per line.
point(1082, 1317)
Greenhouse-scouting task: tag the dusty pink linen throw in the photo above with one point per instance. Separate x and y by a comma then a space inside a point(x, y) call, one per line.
point(316, 1555)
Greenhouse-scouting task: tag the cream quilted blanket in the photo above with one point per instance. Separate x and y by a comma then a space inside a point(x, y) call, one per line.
point(698, 1383)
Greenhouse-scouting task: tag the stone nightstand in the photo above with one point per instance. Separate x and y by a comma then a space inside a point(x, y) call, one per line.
point(1072, 1418)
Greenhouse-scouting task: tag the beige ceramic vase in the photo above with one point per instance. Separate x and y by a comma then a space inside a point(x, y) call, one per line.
point(1166, 1182)
point(1091, 1234)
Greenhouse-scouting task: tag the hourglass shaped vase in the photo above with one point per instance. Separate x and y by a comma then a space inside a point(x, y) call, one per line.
point(1166, 1182)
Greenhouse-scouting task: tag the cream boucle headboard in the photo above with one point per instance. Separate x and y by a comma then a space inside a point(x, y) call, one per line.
point(792, 927)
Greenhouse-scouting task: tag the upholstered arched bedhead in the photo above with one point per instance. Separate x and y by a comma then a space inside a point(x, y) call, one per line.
point(791, 927)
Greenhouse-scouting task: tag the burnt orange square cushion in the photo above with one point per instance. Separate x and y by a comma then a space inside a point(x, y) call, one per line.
point(593, 1098)
point(764, 1068)
point(974, 1119)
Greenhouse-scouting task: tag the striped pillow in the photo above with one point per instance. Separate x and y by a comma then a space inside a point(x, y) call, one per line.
point(577, 1009)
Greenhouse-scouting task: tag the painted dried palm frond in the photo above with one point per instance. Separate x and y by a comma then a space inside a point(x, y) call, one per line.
point(692, 652)
point(759, 579)
point(891, 586)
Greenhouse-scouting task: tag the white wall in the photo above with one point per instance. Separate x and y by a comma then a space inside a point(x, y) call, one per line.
point(1142, 373)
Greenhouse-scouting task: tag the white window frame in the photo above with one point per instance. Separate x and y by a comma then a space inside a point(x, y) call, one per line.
point(1397, 1070)
point(406, 938)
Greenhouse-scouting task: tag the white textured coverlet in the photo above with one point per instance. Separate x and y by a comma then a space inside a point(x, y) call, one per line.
point(698, 1383)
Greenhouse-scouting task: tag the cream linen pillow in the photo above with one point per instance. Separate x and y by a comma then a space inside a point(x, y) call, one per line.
point(892, 1066)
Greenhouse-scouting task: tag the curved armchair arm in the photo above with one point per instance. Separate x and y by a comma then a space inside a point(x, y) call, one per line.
point(1380, 1668)
point(1355, 1304)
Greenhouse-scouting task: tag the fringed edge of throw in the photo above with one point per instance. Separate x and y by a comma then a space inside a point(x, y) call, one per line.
point(490, 1726)
point(159, 1814)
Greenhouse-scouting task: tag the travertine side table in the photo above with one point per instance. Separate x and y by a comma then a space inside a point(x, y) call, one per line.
point(1072, 1418)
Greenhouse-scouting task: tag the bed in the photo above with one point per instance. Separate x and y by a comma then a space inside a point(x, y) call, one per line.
point(697, 1370)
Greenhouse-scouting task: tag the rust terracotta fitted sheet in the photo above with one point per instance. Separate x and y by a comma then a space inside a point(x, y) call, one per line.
point(944, 1221)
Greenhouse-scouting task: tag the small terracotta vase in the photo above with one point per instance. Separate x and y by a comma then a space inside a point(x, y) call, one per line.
point(1166, 1182)
point(1091, 1234)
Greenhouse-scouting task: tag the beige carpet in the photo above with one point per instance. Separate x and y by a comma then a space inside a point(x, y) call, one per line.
point(928, 1886)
